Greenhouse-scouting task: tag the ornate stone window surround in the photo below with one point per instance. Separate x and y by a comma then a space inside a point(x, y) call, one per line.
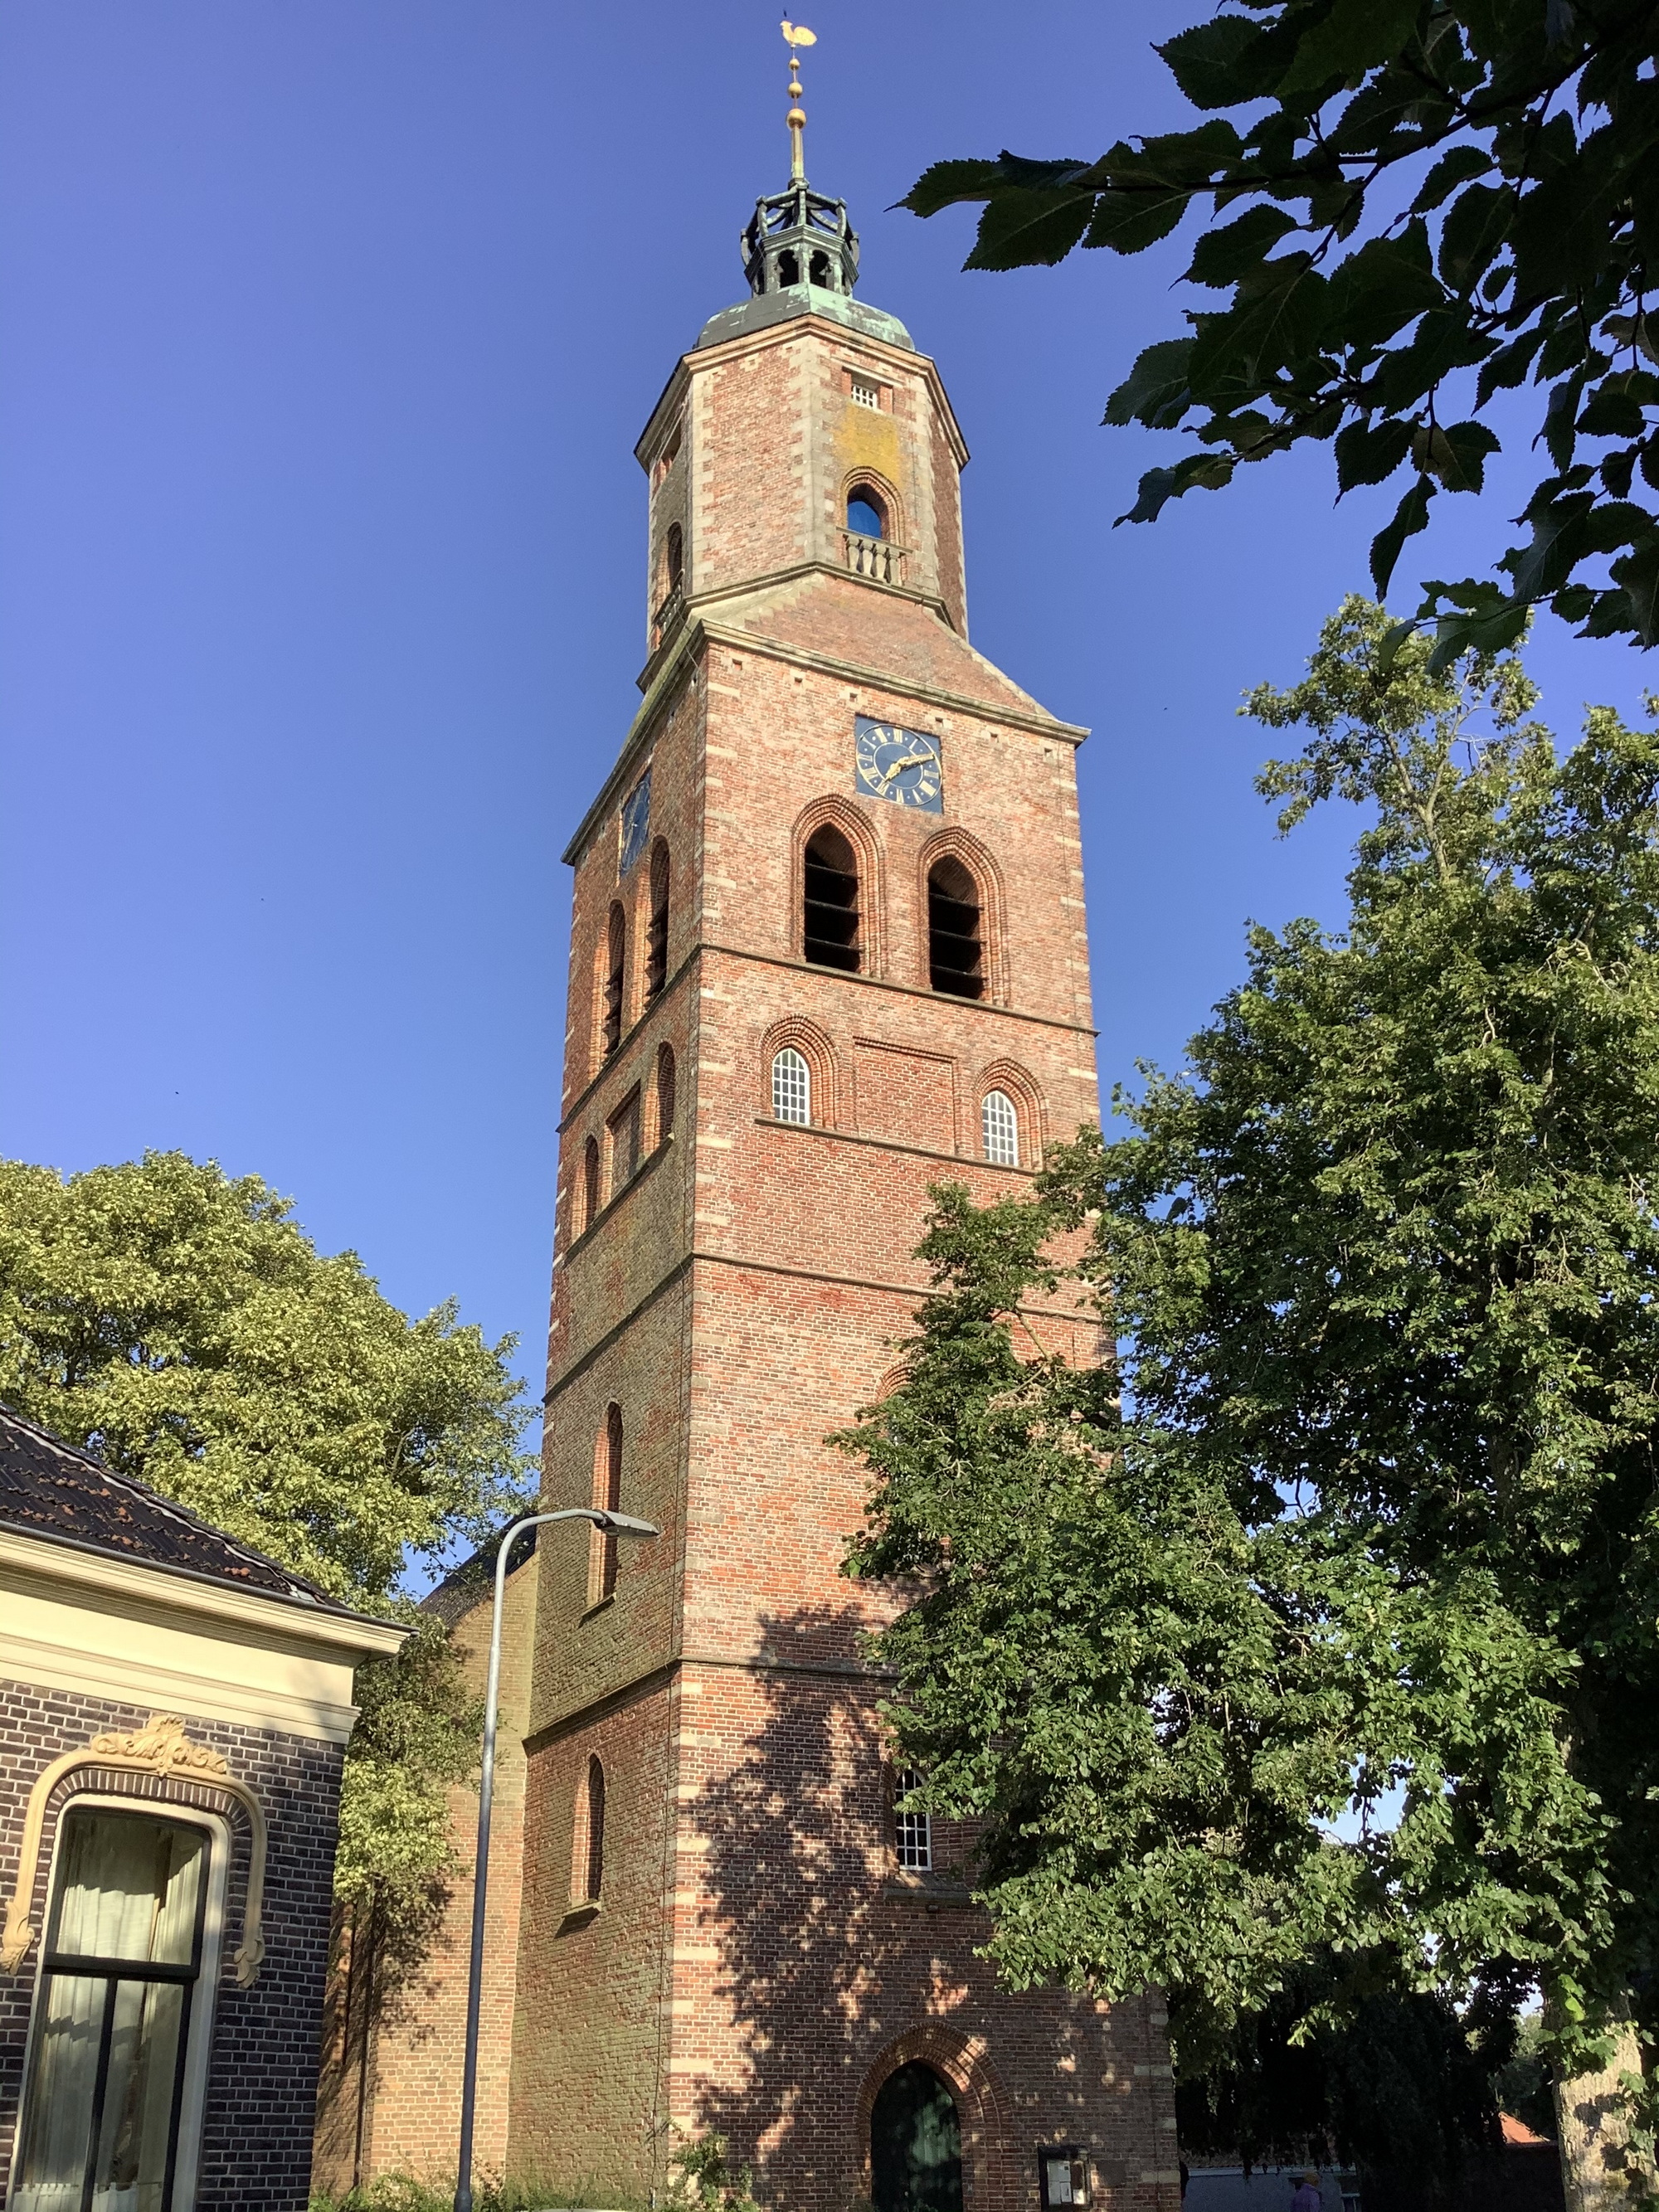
point(162, 1752)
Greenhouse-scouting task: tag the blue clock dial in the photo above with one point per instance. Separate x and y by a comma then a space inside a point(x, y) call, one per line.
point(902, 765)
point(635, 822)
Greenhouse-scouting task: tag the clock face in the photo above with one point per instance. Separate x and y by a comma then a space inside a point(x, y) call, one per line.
point(635, 822)
point(902, 765)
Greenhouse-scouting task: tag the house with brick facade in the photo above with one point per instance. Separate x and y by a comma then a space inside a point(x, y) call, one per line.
point(173, 1712)
point(828, 949)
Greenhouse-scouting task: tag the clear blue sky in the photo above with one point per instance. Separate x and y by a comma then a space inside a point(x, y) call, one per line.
point(330, 326)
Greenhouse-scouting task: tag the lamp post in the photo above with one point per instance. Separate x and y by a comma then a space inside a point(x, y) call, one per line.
point(623, 1524)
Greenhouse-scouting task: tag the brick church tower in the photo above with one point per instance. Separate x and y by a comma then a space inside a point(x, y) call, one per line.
point(828, 949)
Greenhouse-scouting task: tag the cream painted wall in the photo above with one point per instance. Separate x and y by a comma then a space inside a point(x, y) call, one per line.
point(124, 1630)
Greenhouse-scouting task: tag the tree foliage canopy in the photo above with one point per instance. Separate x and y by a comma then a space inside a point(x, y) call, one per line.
point(1333, 1635)
point(179, 1322)
point(1428, 203)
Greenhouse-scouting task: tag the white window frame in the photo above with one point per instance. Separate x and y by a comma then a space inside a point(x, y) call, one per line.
point(792, 1087)
point(864, 391)
point(912, 1833)
point(1002, 1148)
point(199, 2021)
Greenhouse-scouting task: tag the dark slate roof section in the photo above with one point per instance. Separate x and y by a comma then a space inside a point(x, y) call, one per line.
point(473, 1583)
point(49, 1488)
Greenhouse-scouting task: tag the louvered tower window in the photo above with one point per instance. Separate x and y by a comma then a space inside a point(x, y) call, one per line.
point(831, 932)
point(956, 955)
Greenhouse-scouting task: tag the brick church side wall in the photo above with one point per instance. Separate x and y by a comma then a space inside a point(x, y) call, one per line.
point(389, 2095)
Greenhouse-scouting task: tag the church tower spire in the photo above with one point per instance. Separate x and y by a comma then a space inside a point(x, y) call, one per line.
point(798, 236)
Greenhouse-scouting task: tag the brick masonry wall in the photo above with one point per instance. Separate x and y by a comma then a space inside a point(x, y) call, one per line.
point(262, 2075)
point(390, 2094)
point(589, 2066)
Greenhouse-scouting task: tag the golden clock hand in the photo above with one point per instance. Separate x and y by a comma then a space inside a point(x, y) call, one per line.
point(910, 759)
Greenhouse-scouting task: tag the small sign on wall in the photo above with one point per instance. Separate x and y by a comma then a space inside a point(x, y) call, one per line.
point(1063, 2172)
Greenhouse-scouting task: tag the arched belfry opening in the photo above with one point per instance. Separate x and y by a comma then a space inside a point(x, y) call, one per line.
point(830, 935)
point(956, 946)
point(915, 2143)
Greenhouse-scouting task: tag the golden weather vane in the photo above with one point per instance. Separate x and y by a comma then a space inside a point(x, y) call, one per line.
point(798, 36)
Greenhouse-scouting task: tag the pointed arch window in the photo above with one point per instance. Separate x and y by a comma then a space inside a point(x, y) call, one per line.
point(792, 1087)
point(616, 962)
point(999, 1121)
point(607, 1496)
point(656, 934)
point(665, 1099)
point(587, 1845)
point(831, 902)
point(590, 1182)
point(955, 950)
point(674, 557)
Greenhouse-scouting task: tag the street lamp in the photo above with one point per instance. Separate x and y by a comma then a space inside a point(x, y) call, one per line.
point(622, 1524)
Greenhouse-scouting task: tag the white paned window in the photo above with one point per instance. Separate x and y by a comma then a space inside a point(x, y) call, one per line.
point(913, 1831)
point(126, 1978)
point(999, 1126)
point(866, 394)
point(792, 1087)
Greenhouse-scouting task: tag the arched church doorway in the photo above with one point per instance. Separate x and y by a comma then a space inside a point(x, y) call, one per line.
point(915, 2143)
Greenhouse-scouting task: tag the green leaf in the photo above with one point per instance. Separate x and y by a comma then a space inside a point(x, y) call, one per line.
point(1637, 576)
point(1614, 408)
point(1388, 650)
point(1278, 314)
point(1206, 471)
point(1509, 366)
point(1560, 541)
point(1448, 173)
point(1221, 257)
point(1632, 330)
point(1378, 290)
point(1367, 453)
point(947, 184)
point(1354, 37)
point(1564, 231)
point(1493, 630)
point(1021, 230)
point(1458, 456)
point(1409, 517)
point(1475, 230)
point(1158, 389)
point(1220, 62)
point(1561, 420)
point(1129, 220)
point(1443, 341)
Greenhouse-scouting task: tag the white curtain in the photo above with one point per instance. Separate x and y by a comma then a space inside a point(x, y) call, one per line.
point(128, 1888)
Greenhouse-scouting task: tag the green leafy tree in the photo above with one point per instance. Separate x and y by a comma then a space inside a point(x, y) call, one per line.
point(1333, 1635)
point(1403, 2082)
point(179, 1322)
point(1424, 203)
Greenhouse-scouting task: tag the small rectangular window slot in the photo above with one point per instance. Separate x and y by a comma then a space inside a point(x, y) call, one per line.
point(865, 393)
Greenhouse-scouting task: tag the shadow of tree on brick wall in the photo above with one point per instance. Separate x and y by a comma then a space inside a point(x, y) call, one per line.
point(795, 1871)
